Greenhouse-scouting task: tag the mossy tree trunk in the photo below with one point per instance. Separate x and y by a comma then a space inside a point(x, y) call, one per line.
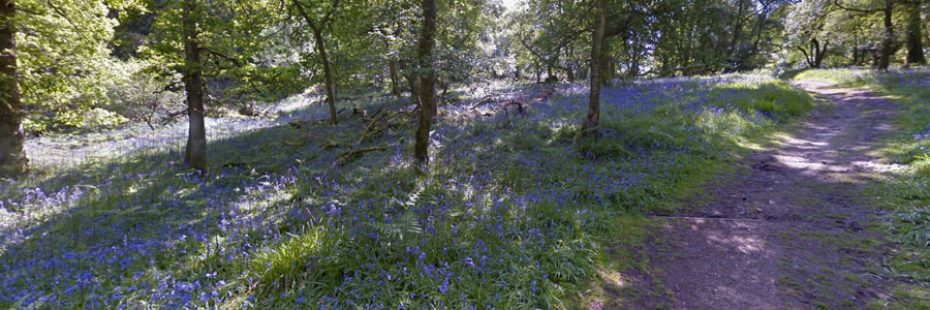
point(13, 161)
point(427, 88)
point(196, 151)
point(589, 129)
point(914, 39)
point(887, 48)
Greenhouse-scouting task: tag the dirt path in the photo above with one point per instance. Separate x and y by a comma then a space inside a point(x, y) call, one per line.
point(791, 230)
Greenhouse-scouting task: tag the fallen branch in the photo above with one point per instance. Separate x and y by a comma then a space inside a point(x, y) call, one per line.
point(369, 97)
point(369, 129)
point(350, 155)
point(483, 100)
point(298, 124)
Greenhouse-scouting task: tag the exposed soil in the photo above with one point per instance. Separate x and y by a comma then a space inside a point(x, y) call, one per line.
point(790, 230)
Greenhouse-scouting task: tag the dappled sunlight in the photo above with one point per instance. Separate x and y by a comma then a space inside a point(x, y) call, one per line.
point(730, 260)
point(613, 278)
point(810, 180)
point(744, 244)
point(708, 228)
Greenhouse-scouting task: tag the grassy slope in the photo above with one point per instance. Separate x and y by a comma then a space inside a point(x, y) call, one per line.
point(514, 212)
point(905, 195)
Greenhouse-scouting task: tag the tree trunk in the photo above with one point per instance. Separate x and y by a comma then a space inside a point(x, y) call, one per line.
point(821, 53)
point(815, 57)
point(196, 151)
point(392, 69)
point(915, 44)
point(411, 76)
point(427, 81)
point(855, 56)
point(887, 48)
point(589, 129)
point(733, 48)
point(13, 161)
point(807, 56)
point(538, 74)
point(327, 73)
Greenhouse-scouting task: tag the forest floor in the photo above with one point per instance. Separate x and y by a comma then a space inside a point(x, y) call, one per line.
point(792, 228)
point(515, 212)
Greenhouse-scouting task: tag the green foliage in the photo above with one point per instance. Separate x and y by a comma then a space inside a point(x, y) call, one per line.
point(64, 61)
point(140, 95)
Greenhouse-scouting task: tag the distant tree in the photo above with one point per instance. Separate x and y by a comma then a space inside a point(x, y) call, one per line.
point(319, 17)
point(692, 38)
point(427, 80)
point(549, 35)
point(13, 161)
point(914, 36)
point(886, 8)
point(744, 48)
point(806, 30)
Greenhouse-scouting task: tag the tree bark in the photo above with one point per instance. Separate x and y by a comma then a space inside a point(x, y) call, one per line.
point(856, 49)
point(411, 76)
point(392, 69)
point(538, 73)
point(570, 70)
point(427, 83)
point(914, 40)
point(13, 161)
point(196, 151)
point(589, 129)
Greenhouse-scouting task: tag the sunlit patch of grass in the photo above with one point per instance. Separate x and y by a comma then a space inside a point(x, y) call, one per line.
point(851, 77)
point(287, 264)
point(777, 100)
